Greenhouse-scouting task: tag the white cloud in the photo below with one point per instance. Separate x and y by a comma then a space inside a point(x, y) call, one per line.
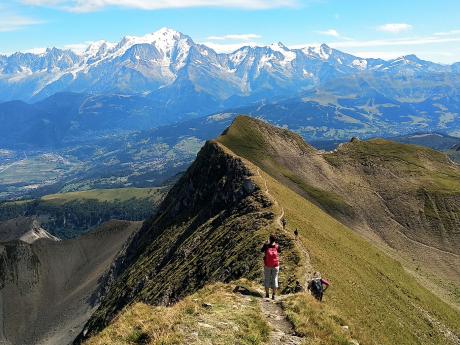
point(235, 37)
point(228, 47)
point(415, 41)
point(448, 33)
point(39, 50)
point(94, 5)
point(10, 22)
point(78, 47)
point(330, 32)
point(394, 28)
point(397, 53)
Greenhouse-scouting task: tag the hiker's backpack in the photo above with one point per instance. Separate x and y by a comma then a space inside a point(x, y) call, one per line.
point(316, 286)
point(271, 256)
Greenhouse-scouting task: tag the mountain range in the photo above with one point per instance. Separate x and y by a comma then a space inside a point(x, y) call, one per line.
point(168, 62)
point(135, 113)
point(165, 78)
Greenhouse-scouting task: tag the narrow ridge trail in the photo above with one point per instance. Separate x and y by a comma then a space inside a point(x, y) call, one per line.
point(279, 221)
point(282, 332)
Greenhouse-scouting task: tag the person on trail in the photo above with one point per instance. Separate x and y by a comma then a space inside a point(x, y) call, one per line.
point(271, 250)
point(284, 222)
point(296, 233)
point(318, 286)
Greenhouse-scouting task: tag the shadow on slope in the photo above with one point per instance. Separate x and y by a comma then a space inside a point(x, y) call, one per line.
point(46, 286)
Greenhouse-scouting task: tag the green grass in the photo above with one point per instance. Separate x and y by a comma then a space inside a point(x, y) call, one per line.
point(120, 194)
point(249, 138)
point(213, 315)
point(382, 303)
point(431, 169)
point(317, 322)
point(328, 200)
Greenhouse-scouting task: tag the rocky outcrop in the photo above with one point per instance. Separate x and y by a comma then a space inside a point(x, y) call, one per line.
point(26, 229)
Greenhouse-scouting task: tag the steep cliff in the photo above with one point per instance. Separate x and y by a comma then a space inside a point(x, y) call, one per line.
point(46, 286)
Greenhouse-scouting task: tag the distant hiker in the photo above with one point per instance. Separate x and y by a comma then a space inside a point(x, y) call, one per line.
point(271, 252)
point(296, 233)
point(284, 222)
point(318, 286)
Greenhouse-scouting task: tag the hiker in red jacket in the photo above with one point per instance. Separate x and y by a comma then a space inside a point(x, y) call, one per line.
point(271, 252)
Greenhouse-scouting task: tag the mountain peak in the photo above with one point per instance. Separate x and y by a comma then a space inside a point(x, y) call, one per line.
point(287, 53)
point(164, 40)
point(278, 45)
point(244, 129)
point(322, 51)
point(165, 31)
point(98, 47)
point(407, 59)
point(325, 51)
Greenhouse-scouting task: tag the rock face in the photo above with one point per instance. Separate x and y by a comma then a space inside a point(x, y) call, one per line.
point(46, 285)
point(24, 229)
point(209, 228)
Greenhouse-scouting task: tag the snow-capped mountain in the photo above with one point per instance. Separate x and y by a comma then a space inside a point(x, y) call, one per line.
point(168, 61)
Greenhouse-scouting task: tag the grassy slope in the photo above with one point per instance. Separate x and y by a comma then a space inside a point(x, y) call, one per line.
point(370, 292)
point(251, 140)
point(218, 315)
point(349, 185)
point(428, 167)
point(213, 315)
point(382, 302)
point(121, 194)
point(101, 195)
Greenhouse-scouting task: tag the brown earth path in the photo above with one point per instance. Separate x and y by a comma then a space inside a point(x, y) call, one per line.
point(282, 330)
point(279, 222)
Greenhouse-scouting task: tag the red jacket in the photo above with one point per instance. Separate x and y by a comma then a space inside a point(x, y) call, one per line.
point(271, 257)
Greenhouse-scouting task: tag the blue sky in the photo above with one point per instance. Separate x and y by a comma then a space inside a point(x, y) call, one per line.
point(427, 28)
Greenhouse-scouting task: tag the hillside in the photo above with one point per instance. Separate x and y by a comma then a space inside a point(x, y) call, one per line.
point(46, 286)
point(69, 215)
point(213, 221)
point(208, 228)
point(401, 196)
